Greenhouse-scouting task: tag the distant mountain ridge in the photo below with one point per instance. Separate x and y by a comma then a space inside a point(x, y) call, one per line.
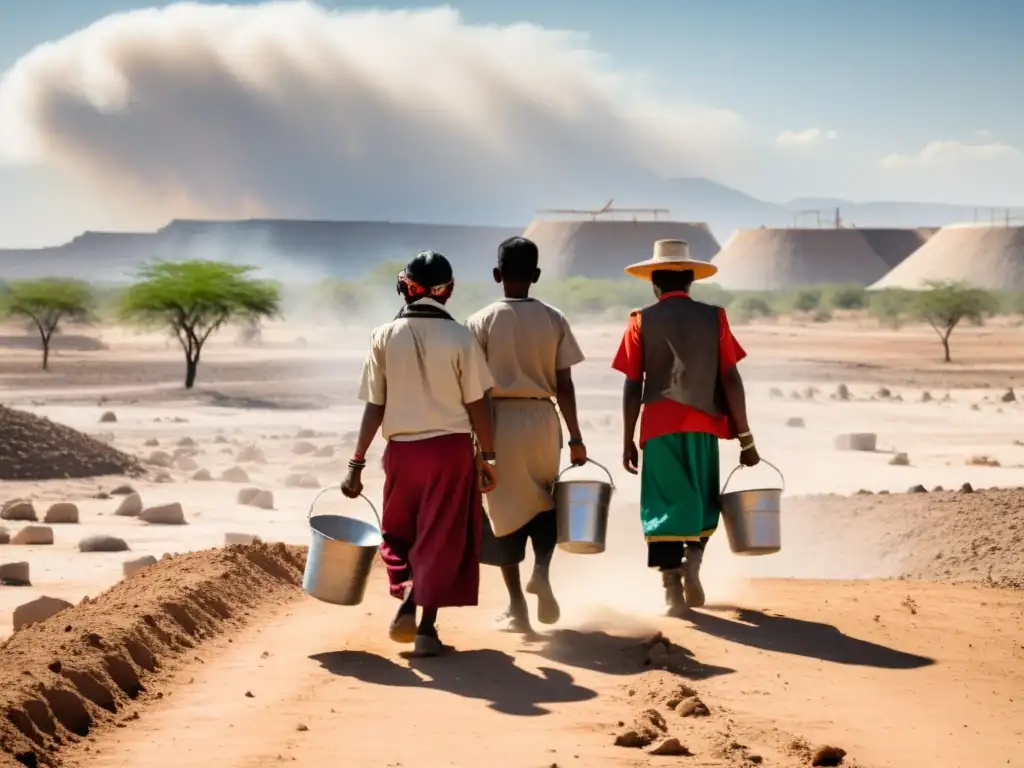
point(307, 249)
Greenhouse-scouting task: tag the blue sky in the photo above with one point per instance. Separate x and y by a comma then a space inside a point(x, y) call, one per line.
point(886, 76)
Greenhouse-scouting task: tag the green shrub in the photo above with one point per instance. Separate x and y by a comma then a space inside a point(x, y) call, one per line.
point(846, 297)
point(892, 306)
point(807, 299)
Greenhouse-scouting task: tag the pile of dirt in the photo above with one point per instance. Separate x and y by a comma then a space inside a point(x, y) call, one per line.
point(953, 537)
point(34, 448)
point(86, 666)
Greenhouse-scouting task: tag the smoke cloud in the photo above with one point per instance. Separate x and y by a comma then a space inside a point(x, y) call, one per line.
point(287, 109)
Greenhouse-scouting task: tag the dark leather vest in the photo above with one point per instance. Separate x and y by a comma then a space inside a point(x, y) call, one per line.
point(680, 345)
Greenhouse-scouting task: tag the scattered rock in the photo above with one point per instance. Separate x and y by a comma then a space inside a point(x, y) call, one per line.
point(842, 393)
point(130, 567)
point(130, 506)
point(108, 418)
point(61, 513)
point(251, 454)
point(305, 434)
point(235, 475)
point(102, 496)
point(151, 443)
point(810, 393)
point(900, 460)
point(1009, 396)
point(975, 407)
point(917, 489)
point(671, 746)
point(864, 492)
point(33, 535)
point(160, 459)
point(245, 539)
point(828, 756)
point(966, 488)
point(859, 441)
point(202, 475)
point(938, 489)
point(220, 439)
point(5, 536)
point(692, 707)
point(15, 575)
point(186, 442)
point(122, 490)
point(982, 461)
point(165, 514)
point(18, 510)
point(883, 393)
point(302, 448)
point(649, 726)
point(256, 497)
point(926, 397)
point(163, 477)
point(775, 393)
point(102, 543)
point(302, 727)
point(304, 480)
point(795, 421)
point(186, 464)
point(324, 452)
point(38, 610)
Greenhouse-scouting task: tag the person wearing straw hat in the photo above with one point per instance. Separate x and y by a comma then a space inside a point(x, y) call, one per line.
point(679, 358)
point(426, 386)
point(531, 350)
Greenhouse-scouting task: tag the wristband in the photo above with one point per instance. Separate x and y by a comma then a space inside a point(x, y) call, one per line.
point(747, 447)
point(574, 441)
point(356, 463)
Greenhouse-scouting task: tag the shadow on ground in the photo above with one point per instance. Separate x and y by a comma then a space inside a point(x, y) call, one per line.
point(616, 655)
point(489, 675)
point(797, 637)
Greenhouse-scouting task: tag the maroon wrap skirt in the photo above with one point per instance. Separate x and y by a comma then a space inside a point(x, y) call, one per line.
point(432, 520)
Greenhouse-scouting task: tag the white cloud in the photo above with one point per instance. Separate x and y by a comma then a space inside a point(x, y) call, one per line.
point(805, 138)
point(983, 133)
point(288, 109)
point(951, 153)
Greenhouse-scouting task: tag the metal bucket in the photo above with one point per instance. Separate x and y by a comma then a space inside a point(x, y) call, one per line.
point(752, 517)
point(581, 508)
point(340, 555)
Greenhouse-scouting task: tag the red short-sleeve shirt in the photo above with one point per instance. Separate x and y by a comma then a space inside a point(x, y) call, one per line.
point(666, 416)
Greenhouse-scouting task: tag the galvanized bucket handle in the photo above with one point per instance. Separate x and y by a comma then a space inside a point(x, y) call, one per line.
point(763, 461)
point(589, 461)
point(312, 506)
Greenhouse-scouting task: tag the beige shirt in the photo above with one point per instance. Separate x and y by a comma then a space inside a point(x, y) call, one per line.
point(424, 371)
point(525, 341)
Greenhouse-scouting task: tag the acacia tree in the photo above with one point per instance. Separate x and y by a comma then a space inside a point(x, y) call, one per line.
point(47, 302)
point(196, 298)
point(943, 305)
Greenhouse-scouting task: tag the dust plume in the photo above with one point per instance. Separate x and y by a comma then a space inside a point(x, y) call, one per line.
point(287, 109)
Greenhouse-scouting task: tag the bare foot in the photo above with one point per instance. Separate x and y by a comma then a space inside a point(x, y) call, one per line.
point(548, 611)
point(426, 646)
point(515, 619)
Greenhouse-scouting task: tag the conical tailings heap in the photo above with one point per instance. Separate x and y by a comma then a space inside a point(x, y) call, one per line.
point(771, 259)
point(986, 256)
point(603, 249)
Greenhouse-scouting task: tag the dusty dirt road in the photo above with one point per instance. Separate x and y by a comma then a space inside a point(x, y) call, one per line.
point(896, 673)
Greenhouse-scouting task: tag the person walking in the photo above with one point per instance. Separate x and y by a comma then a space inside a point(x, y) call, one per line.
point(531, 350)
point(426, 386)
point(679, 357)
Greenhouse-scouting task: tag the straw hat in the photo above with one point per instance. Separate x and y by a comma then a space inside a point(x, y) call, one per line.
point(671, 256)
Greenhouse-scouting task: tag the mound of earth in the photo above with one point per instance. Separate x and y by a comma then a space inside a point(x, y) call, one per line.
point(944, 536)
point(87, 665)
point(34, 448)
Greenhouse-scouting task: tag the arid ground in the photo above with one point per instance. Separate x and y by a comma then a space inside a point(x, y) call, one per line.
point(890, 626)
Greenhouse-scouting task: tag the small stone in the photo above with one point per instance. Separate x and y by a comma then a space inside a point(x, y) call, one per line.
point(202, 475)
point(130, 567)
point(982, 461)
point(692, 707)
point(122, 490)
point(864, 492)
point(101, 543)
point(900, 460)
point(842, 392)
point(966, 488)
point(302, 727)
point(633, 739)
point(862, 441)
point(151, 443)
point(303, 480)
point(883, 393)
point(19, 510)
point(15, 575)
point(926, 397)
point(186, 442)
point(828, 756)
point(38, 610)
point(917, 489)
point(1009, 396)
point(187, 464)
point(795, 421)
point(108, 417)
point(938, 489)
point(671, 746)
point(248, 695)
point(163, 477)
point(235, 475)
point(5, 536)
point(252, 454)
point(324, 452)
point(33, 535)
point(160, 459)
point(130, 506)
point(302, 448)
point(775, 393)
point(61, 513)
point(256, 497)
point(165, 514)
point(305, 434)
point(220, 439)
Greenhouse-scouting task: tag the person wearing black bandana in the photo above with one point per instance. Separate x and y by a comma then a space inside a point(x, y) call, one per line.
point(426, 386)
